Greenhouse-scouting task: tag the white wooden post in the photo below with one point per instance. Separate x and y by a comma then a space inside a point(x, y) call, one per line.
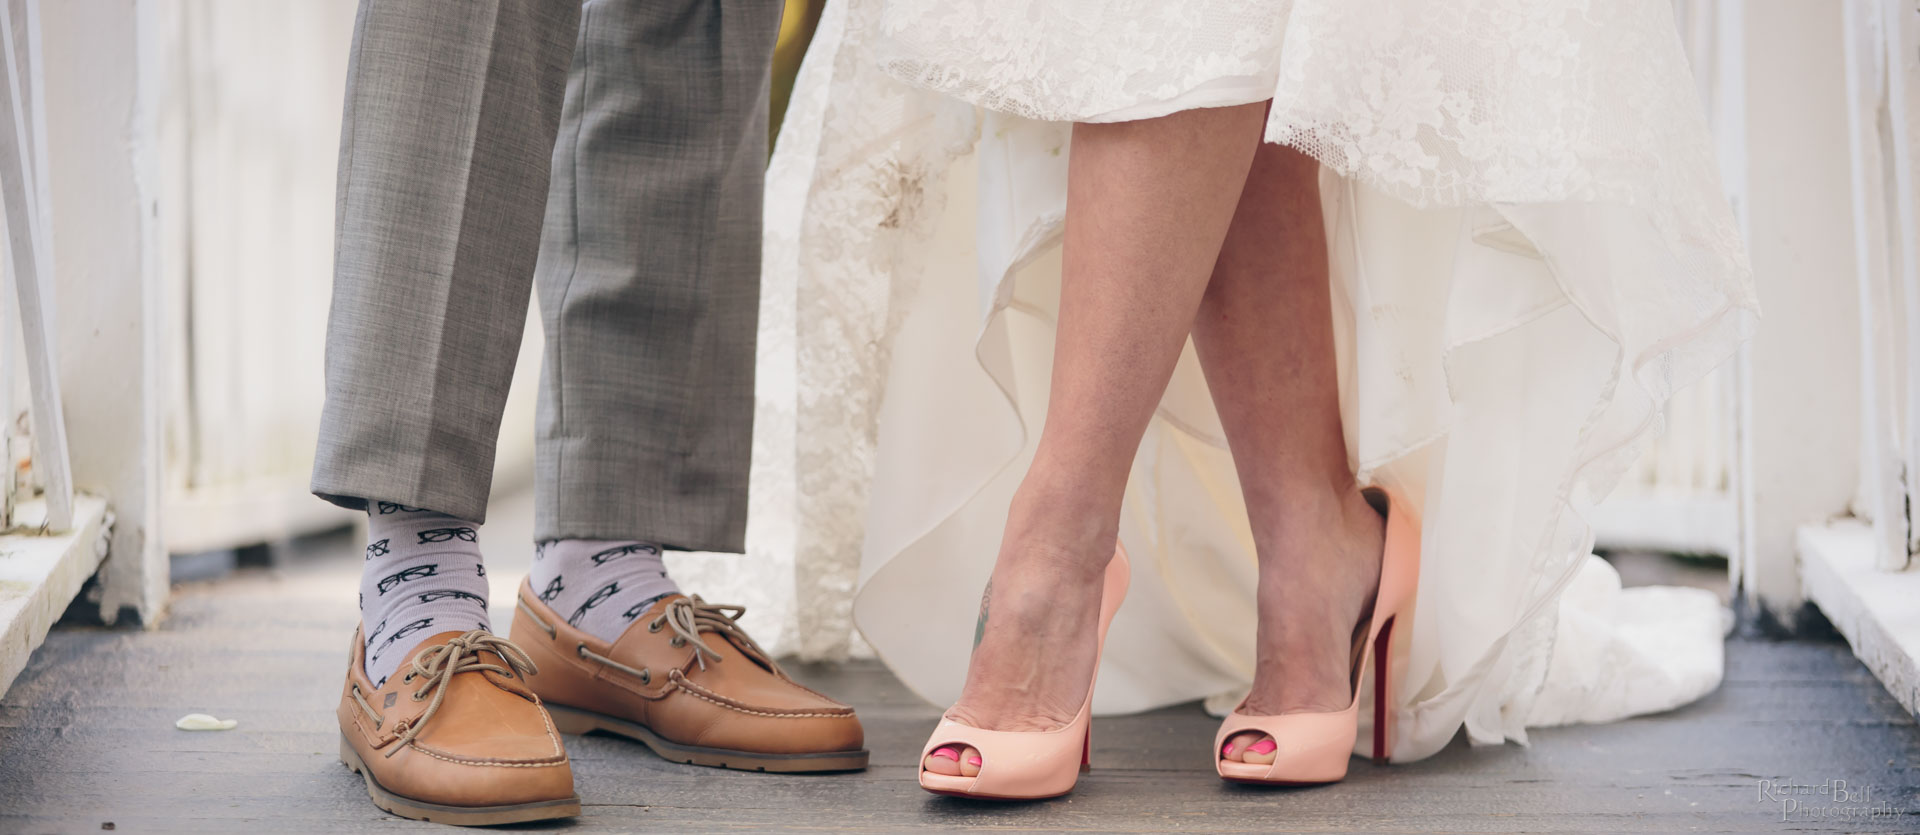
point(1856, 570)
point(98, 74)
point(32, 276)
point(1801, 446)
point(72, 135)
point(249, 142)
point(1880, 477)
point(1682, 494)
point(1905, 267)
point(1727, 113)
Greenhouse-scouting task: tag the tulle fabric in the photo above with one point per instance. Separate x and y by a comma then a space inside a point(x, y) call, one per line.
point(1529, 254)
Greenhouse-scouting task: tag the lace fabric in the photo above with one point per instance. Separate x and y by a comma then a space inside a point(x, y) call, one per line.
point(1530, 254)
point(1085, 62)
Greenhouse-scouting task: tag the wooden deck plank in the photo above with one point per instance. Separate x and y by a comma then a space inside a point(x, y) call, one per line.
point(41, 573)
point(86, 737)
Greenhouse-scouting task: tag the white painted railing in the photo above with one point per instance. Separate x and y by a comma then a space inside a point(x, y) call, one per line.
point(250, 108)
point(24, 200)
point(1683, 494)
point(1859, 569)
point(1696, 490)
point(1880, 68)
point(66, 110)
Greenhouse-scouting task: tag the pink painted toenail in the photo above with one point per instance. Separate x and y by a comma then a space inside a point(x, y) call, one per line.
point(1226, 750)
point(1264, 746)
point(973, 761)
point(948, 753)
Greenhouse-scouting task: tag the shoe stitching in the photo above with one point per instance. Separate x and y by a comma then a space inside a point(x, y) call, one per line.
point(593, 667)
point(679, 677)
point(439, 664)
point(695, 690)
point(379, 737)
point(678, 680)
point(553, 735)
point(559, 755)
point(813, 692)
point(494, 763)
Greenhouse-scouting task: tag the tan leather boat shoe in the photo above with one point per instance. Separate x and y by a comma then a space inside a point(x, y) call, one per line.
point(459, 738)
point(685, 680)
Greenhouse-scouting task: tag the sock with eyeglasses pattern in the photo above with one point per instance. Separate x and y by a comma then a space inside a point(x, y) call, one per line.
point(422, 576)
point(600, 586)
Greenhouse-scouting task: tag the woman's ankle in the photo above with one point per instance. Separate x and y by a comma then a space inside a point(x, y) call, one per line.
point(1294, 517)
point(1063, 528)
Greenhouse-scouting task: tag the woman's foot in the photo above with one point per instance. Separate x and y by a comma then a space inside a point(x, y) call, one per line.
point(951, 760)
point(1318, 579)
point(1037, 643)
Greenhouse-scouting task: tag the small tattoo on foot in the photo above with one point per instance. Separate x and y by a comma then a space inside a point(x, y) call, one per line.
point(980, 626)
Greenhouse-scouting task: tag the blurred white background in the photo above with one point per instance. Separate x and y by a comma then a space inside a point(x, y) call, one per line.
point(190, 150)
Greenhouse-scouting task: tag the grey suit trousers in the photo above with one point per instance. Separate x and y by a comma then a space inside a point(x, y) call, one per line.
point(611, 154)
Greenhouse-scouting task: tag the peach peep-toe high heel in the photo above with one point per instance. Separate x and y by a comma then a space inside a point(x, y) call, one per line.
point(1312, 748)
point(1028, 765)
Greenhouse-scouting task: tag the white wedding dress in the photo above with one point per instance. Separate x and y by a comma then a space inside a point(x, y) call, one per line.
point(1530, 252)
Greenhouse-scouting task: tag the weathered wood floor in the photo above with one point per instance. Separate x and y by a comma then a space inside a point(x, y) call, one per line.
point(87, 738)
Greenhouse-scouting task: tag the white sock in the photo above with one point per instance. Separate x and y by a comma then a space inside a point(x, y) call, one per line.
point(422, 577)
point(599, 586)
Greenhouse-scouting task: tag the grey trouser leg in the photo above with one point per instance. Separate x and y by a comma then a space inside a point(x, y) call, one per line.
point(649, 274)
point(451, 119)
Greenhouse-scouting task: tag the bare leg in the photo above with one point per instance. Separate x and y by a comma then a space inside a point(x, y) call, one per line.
point(1265, 339)
point(1148, 204)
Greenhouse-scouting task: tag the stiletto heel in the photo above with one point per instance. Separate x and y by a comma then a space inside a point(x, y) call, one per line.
point(1028, 765)
point(1382, 693)
point(1314, 748)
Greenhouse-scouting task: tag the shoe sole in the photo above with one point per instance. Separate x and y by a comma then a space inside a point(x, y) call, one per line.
point(993, 797)
point(574, 721)
point(954, 785)
point(421, 810)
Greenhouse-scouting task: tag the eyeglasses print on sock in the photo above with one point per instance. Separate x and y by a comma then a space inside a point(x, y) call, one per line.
point(377, 549)
point(553, 590)
point(375, 633)
point(395, 507)
point(598, 597)
point(539, 551)
point(446, 534)
point(640, 608)
point(452, 594)
point(480, 570)
point(411, 573)
point(621, 551)
point(402, 632)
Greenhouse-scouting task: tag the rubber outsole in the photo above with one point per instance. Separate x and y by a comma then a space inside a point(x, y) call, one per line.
point(575, 721)
point(420, 810)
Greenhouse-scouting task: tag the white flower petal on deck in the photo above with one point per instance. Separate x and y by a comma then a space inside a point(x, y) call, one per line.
point(203, 722)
